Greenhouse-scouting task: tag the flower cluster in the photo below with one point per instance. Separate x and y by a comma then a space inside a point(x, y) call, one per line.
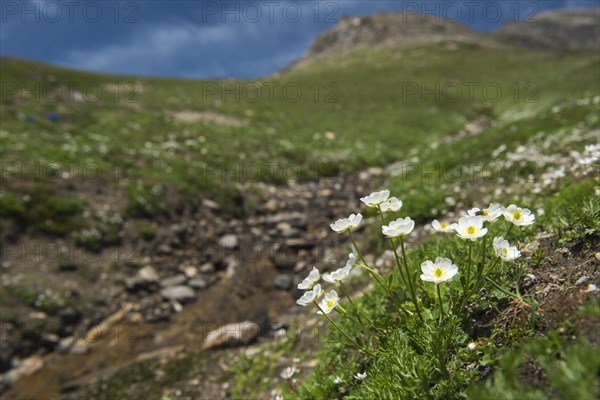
point(471, 228)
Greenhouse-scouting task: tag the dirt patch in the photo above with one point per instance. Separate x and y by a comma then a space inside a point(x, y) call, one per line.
point(211, 117)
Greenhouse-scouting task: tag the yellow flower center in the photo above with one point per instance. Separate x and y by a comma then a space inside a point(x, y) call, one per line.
point(330, 303)
point(505, 250)
point(443, 226)
point(471, 230)
point(517, 215)
point(438, 272)
point(486, 212)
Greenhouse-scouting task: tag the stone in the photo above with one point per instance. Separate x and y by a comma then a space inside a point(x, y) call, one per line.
point(173, 280)
point(235, 334)
point(25, 368)
point(211, 204)
point(229, 241)
point(284, 259)
point(164, 249)
point(80, 347)
point(190, 271)
point(146, 277)
point(179, 293)
point(207, 268)
point(198, 283)
point(283, 281)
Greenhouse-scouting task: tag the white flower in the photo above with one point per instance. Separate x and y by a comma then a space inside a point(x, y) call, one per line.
point(376, 198)
point(441, 226)
point(337, 380)
point(490, 214)
point(470, 227)
point(312, 278)
point(391, 204)
point(472, 346)
point(440, 271)
point(399, 227)
point(339, 275)
point(504, 250)
point(343, 224)
point(309, 296)
point(288, 372)
point(519, 216)
point(360, 375)
point(329, 302)
point(352, 258)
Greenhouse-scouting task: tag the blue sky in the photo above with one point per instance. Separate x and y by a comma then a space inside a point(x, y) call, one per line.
point(202, 39)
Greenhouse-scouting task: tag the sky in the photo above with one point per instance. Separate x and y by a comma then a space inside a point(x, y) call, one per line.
point(210, 39)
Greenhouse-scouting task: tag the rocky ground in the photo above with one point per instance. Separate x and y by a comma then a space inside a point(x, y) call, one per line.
point(198, 272)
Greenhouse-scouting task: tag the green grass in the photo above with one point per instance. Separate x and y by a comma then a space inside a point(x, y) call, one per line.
point(134, 141)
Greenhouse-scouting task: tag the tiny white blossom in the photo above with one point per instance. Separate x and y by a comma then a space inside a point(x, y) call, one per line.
point(519, 216)
point(341, 274)
point(329, 302)
point(391, 204)
point(288, 372)
point(591, 288)
point(441, 226)
point(338, 275)
point(470, 227)
point(376, 198)
point(440, 271)
point(399, 227)
point(490, 214)
point(309, 296)
point(343, 224)
point(504, 250)
point(312, 278)
point(337, 380)
point(360, 375)
point(472, 346)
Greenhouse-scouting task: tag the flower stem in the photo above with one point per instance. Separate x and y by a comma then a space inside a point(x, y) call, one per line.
point(379, 279)
point(437, 286)
point(468, 277)
point(508, 230)
point(358, 313)
point(352, 341)
point(375, 275)
point(398, 264)
point(356, 247)
point(410, 280)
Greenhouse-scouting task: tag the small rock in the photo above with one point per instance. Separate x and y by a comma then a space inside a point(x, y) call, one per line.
point(64, 344)
point(190, 271)
point(284, 259)
point(581, 280)
point(597, 255)
point(283, 281)
point(180, 293)
point(164, 249)
point(69, 315)
point(145, 277)
point(229, 241)
point(80, 347)
point(25, 368)
point(236, 334)
point(146, 304)
point(173, 280)
point(211, 204)
point(207, 268)
point(198, 283)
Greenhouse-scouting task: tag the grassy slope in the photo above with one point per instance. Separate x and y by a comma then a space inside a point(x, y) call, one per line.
point(374, 120)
